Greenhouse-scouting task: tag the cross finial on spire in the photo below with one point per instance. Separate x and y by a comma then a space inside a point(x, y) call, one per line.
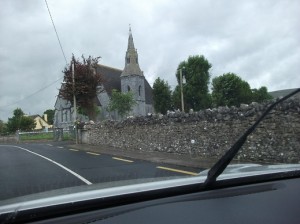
point(129, 28)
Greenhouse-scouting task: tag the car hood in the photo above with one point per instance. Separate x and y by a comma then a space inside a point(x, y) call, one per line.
point(252, 169)
point(104, 190)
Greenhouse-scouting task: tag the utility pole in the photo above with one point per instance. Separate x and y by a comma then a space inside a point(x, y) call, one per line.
point(74, 100)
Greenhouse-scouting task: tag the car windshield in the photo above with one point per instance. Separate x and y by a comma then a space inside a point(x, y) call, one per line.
point(101, 95)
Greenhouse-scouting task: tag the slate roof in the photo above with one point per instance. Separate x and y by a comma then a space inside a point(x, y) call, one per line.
point(148, 93)
point(281, 93)
point(112, 80)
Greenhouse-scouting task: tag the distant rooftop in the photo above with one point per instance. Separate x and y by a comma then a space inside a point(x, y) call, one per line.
point(281, 93)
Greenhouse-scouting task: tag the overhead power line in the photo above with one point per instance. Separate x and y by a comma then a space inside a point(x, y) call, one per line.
point(40, 90)
point(62, 50)
point(55, 80)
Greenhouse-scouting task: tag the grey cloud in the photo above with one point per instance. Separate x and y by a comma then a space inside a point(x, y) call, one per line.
point(258, 40)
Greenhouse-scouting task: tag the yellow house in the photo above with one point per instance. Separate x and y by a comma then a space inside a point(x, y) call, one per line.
point(41, 123)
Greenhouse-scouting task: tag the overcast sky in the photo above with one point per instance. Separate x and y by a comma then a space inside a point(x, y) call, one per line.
point(259, 40)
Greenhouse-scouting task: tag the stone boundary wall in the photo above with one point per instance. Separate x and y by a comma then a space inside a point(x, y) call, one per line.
point(8, 139)
point(208, 133)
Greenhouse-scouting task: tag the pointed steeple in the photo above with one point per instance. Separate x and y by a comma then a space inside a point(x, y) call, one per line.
point(131, 59)
point(130, 40)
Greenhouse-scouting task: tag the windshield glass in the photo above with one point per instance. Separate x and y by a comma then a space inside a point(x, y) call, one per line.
point(105, 94)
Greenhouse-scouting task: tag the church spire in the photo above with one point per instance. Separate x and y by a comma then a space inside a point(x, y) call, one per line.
point(131, 59)
point(130, 40)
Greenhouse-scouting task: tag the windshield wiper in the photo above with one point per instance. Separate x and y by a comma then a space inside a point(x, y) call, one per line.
point(223, 162)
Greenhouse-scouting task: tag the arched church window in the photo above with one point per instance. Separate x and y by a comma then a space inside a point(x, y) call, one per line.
point(128, 88)
point(136, 60)
point(140, 89)
point(128, 60)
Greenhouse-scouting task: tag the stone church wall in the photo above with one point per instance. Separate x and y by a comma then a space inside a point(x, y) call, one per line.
point(136, 84)
point(209, 133)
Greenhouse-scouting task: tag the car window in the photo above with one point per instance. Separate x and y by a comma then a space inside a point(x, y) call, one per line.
point(101, 95)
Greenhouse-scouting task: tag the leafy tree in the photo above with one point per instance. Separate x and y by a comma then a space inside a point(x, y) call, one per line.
point(20, 122)
point(161, 96)
point(261, 94)
point(18, 113)
point(229, 89)
point(87, 82)
point(121, 102)
point(14, 123)
point(27, 123)
point(3, 128)
point(50, 115)
point(195, 91)
point(176, 98)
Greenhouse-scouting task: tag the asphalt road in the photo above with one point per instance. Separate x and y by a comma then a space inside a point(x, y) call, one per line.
point(39, 167)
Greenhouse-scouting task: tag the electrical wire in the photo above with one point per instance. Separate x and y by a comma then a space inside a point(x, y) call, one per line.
point(40, 90)
point(55, 80)
point(56, 32)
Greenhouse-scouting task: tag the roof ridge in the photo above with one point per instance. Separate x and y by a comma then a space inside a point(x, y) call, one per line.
point(33, 115)
point(100, 65)
point(290, 89)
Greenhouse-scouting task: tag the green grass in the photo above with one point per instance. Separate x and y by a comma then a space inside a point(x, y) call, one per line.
point(67, 136)
point(37, 136)
point(42, 136)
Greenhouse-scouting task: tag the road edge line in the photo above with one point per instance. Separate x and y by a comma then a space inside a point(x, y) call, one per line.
point(176, 170)
point(124, 160)
point(58, 164)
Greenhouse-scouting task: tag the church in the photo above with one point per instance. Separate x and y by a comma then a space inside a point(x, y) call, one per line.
point(131, 78)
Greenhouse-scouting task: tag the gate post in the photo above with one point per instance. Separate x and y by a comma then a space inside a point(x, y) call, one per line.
point(58, 134)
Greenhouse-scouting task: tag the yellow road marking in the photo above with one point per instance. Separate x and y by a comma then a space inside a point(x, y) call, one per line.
point(92, 153)
point(124, 160)
point(74, 150)
point(176, 170)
